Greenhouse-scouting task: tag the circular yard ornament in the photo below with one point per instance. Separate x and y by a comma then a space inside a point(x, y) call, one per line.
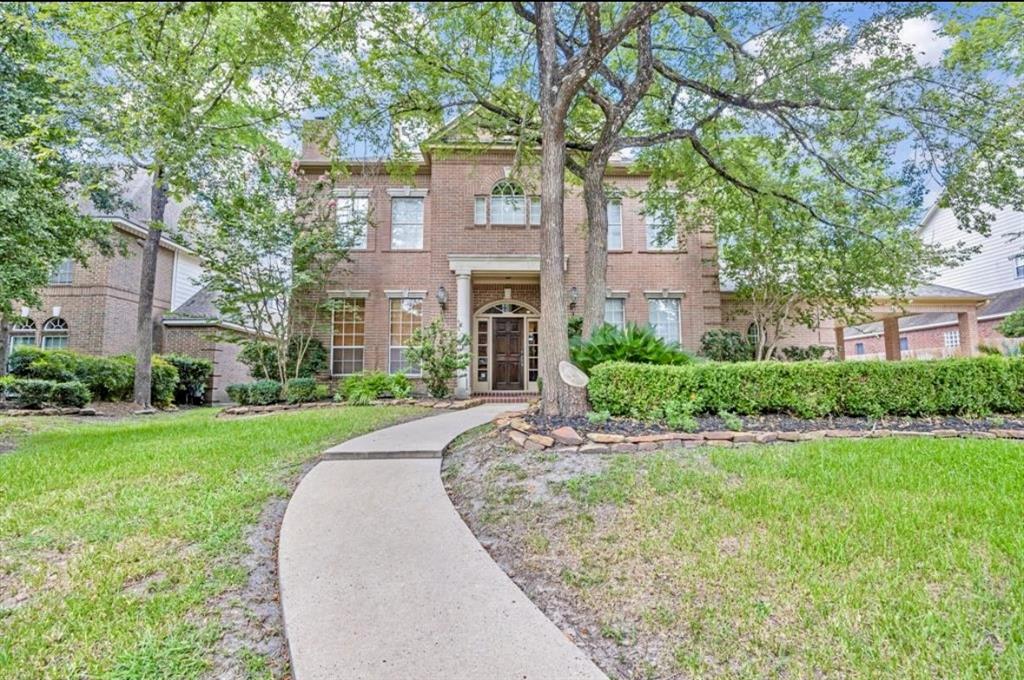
point(572, 375)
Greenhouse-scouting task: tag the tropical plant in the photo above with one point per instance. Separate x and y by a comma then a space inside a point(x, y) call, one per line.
point(440, 353)
point(636, 344)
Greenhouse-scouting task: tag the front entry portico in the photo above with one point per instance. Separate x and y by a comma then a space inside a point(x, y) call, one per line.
point(497, 309)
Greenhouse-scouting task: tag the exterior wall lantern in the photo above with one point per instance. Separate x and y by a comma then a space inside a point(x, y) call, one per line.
point(574, 296)
point(442, 297)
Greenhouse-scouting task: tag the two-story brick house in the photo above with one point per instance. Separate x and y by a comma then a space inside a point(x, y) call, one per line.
point(458, 238)
point(92, 308)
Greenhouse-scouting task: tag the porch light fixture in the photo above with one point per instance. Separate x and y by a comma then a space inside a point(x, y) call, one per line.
point(442, 297)
point(574, 296)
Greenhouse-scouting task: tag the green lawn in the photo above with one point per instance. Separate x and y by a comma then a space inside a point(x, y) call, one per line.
point(115, 537)
point(874, 558)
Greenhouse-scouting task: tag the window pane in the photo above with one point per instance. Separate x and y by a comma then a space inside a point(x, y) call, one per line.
point(55, 341)
point(658, 237)
point(61, 275)
point(348, 336)
point(535, 210)
point(508, 210)
point(480, 211)
point(1018, 262)
point(615, 312)
point(406, 317)
point(407, 223)
point(353, 221)
point(951, 339)
point(615, 225)
point(664, 318)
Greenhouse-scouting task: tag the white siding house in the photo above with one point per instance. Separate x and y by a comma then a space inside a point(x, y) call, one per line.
point(998, 266)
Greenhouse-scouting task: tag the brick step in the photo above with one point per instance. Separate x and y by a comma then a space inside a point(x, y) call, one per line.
point(504, 397)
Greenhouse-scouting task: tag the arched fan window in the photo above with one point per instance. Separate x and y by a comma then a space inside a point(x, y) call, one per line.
point(508, 203)
point(55, 333)
point(508, 308)
point(23, 333)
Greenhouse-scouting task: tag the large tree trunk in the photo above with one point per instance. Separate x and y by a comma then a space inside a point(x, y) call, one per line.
point(147, 284)
point(5, 334)
point(595, 286)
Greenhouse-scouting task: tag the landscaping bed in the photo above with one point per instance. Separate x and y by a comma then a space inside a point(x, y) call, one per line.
point(831, 558)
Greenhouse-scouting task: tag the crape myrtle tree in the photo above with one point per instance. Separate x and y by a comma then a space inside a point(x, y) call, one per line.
point(175, 87)
point(41, 180)
point(266, 244)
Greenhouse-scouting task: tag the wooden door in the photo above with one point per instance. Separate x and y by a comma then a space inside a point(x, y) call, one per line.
point(508, 353)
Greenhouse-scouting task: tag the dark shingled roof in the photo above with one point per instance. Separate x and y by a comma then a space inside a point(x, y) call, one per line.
point(202, 305)
point(999, 305)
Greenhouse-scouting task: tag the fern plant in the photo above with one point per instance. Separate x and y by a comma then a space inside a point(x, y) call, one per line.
point(636, 344)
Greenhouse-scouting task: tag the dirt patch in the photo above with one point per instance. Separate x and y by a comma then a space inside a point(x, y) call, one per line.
point(515, 503)
point(251, 615)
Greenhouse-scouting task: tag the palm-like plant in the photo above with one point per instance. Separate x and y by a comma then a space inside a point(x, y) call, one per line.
point(634, 343)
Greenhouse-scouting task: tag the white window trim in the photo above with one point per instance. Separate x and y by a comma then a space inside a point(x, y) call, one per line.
point(362, 346)
point(679, 316)
point(671, 246)
point(365, 245)
point(622, 237)
point(422, 223)
point(392, 295)
point(351, 192)
point(622, 300)
point(407, 192)
point(1018, 266)
point(69, 264)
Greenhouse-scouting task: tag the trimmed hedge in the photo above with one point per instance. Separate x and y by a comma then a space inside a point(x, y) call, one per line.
point(71, 393)
point(33, 393)
point(259, 393)
point(193, 377)
point(300, 390)
point(958, 386)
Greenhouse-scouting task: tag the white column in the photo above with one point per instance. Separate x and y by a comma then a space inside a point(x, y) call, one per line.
point(464, 315)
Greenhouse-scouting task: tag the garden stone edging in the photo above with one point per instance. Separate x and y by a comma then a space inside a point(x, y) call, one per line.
point(525, 435)
point(67, 411)
point(448, 404)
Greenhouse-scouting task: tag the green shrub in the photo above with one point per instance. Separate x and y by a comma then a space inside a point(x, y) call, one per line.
point(722, 345)
point(261, 358)
point(636, 344)
point(263, 392)
point(809, 353)
point(680, 413)
point(239, 393)
point(165, 381)
point(300, 390)
point(439, 353)
point(109, 379)
point(193, 377)
point(956, 386)
point(71, 393)
point(33, 393)
point(20, 359)
point(362, 388)
point(598, 417)
point(1013, 325)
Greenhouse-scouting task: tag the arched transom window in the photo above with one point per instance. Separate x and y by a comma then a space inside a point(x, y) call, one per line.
point(509, 205)
point(507, 308)
point(23, 333)
point(55, 333)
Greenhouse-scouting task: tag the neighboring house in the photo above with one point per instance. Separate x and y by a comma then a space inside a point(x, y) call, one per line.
point(995, 273)
point(93, 308)
point(459, 239)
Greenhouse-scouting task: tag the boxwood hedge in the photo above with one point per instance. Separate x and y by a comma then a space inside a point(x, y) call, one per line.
point(957, 386)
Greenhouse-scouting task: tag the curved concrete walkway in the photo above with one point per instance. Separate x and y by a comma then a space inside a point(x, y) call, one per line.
point(380, 577)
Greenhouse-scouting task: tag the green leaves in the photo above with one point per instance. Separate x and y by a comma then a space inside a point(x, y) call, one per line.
point(634, 343)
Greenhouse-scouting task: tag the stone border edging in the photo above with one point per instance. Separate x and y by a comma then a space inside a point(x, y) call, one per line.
point(448, 404)
point(68, 411)
point(567, 439)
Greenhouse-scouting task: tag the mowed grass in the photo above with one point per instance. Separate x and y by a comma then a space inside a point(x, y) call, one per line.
point(874, 558)
point(115, 537)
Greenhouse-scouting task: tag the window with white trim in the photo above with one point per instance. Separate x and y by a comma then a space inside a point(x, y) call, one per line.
point(348, 339)
point(951, 339)
point(23, 334)
point(1018, 266)
point(406, 316)
point(858, 348)
point(61, 275)
point(904, 344)
point(534, 211)
point(663, 316)
point(753, 335)
point(615, 224)
point(407, 223)
point(615, 312)
point(508, 204)
point(353, 213)
point(480, 211)
point(661, 233)
point(55, 333)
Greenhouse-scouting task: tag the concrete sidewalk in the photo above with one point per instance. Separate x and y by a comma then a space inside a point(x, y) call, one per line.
point(380, 578)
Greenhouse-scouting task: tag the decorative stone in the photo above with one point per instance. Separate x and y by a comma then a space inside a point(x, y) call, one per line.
point(944, 433)
point(653, 438)
point(843, 434)
point(594, 448)
point(531, 445)
point(744, 438)
point(1009, 434)
point(623, 447)
point(719, 435)
point(568, 436)
point(978, 435)
point(501, 422)
point(814, 434)
point(87, 412)
point(791, 436)
point(766, 437)
point(544, 440)
point(879, 433)
point(517, 436)
point(571, 374)
point(442, 404)
point(605, 437)
point(717, 442)
point(647, 446)
point(521, 425)
point(566, 449)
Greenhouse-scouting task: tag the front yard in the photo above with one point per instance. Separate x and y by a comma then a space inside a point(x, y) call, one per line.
point(888, 557)
point(126, 547)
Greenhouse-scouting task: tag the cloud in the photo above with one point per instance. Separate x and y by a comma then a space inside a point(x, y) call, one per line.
point(922, 35)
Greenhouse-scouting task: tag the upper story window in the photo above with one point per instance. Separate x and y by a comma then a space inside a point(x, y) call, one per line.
point(61, 275)
point(615, 224)
point(353, 213)
point(407, 223)
point(661, 233)
point(508, 203)
point(1018, 266)
point(55, 333)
